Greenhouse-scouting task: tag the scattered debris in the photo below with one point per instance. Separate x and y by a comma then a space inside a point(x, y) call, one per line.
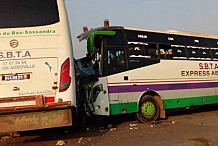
point(109, 126)
point(60, 142)
point(4, 138)
point(4, 134)
point(112, 129)
point(133, 125)
point(102, 129)
point(173, 122)
point(152, 126)
point(80, 140)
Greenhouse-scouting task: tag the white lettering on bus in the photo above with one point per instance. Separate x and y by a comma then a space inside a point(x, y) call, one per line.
point(15, 54)
point(170, 39)
point(16, 64)
point(142, 36)
point(196, 41)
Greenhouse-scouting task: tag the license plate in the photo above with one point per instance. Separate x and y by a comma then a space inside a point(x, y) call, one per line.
point(14, 77)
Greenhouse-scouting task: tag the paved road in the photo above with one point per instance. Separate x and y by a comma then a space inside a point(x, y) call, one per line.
point(183, 129)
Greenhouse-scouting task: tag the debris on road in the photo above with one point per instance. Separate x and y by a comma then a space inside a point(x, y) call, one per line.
point(102, 129)
point(4, 138)
point(60, 142)
point(80, 140)
point(173, 122)
point(133, 125)
point(109, 126)
point(112, 129)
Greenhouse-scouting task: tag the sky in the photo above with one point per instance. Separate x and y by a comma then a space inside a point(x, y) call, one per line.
point(184, 15)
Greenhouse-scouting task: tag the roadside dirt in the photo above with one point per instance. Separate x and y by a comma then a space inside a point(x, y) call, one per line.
point(198, 127)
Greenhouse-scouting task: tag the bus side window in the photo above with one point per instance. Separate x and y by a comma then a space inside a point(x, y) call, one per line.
point(151, 51)
point(165, 51)
point(193, 53)
point(205, 53)
point(214, 53)
point(179, 52)
point(168, 54)
point(136, 49)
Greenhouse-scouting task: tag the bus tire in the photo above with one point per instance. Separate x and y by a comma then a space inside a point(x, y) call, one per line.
point(149, 109)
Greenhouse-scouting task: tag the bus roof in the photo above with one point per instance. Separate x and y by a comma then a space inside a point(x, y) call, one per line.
point(84, 35)
point(177, 32)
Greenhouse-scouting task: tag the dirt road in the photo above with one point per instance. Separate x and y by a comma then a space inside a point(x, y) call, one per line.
point(182, 129)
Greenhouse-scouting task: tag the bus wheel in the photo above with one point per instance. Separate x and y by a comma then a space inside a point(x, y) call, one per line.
point(149, 109)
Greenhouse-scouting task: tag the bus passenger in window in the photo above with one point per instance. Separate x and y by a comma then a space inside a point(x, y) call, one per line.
point(112, 61)
point(169, 53)
point(166, 53)
point(162, 53)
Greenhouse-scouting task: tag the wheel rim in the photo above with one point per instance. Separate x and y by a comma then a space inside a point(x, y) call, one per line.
point(148, 109)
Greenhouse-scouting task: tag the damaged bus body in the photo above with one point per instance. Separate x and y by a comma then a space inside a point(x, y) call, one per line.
point(147, 72)
point(37, 78)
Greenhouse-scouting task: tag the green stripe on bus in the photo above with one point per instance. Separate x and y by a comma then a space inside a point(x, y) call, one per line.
point(189, 101)
point(131, 107)
point(120, 108)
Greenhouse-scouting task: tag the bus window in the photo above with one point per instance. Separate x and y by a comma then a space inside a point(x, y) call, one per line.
point(165, 51)
point(139, 49)
point(179, 52)
point(214, 53)
point(136, 49)
point(151, 50)
point(116, 60)
point(117, 40)
point(28, 13)
point(193, 53)
point(148, 55)
point(204, 53)
point(198, 53)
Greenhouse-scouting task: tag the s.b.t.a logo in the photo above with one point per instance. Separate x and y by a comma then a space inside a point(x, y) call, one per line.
point(14, 43)
point(14, 54)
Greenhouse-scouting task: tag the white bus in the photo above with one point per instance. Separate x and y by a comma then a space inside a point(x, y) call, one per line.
point(37, 78)
point(148, 72)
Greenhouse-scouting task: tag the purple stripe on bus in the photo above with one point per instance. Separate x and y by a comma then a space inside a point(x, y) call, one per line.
point(160, 87)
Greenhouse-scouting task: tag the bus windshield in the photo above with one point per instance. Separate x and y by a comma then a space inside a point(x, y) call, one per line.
point(28, 13)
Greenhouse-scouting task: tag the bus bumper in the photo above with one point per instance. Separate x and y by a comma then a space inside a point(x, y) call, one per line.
point(35, 120)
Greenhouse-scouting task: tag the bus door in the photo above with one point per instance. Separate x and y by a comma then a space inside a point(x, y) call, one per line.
point(115, 65)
